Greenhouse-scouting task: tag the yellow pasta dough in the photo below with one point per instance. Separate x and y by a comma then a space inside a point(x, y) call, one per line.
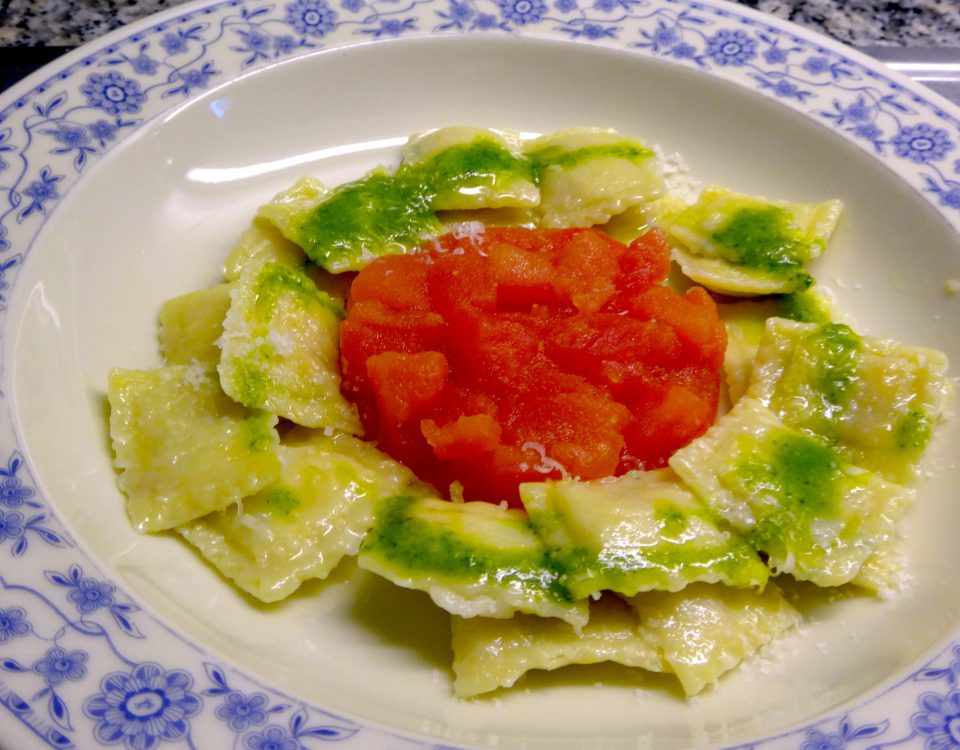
point(706, 630)
point(588, 175)
point(494, 653)
point(641, 531)
point(301, 526)
point(280, 348)
point(813, 513)
point(191, 326)
point(182, 447)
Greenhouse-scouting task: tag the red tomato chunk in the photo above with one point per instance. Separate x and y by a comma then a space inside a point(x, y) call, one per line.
point(515, 355)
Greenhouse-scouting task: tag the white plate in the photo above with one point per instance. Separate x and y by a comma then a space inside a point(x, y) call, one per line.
point(128, 169)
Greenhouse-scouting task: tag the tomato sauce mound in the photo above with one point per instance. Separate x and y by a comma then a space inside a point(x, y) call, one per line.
point(509, 355)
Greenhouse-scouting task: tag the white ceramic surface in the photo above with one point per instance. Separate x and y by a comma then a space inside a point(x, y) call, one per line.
point(131, 166)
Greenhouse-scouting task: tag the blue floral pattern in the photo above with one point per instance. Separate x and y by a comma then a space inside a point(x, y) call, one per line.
point(73, 666)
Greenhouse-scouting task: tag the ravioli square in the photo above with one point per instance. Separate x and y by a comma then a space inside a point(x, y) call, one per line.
point(589, 175)
point(875, 399)
point(263, 242)
point(746, 245)
point(706, 630)
point(472, 558)
point(493, 653)
point(799, 501)
point(345, 228)
point(745, 321)
point(182, 447)
point(281, 348)
point(468, 168)
point(641, 531)
point(303, 525)
point(191, 326)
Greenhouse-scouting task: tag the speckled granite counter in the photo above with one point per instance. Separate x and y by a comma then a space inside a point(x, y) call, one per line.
point(68, 23)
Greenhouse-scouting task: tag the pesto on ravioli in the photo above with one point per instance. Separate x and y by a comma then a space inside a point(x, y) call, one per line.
point(637, 532)
point(744, 245)
point(876, 400)
point(281, 350)
point(183, 448)
point(301, 526)
point(814, 514)
point(474, 559)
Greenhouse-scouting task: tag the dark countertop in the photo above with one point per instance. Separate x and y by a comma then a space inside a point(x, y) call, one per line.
point(69, 23)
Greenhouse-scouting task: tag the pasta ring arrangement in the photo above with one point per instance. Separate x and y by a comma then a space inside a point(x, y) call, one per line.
point(308, 408)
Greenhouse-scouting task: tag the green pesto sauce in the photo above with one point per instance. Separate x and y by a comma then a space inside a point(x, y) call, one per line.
point(801, 474)
point(388, 213)
point(260, 435)
point(555, 156)
point(763, 238)
point(673, 521)
point(657, 566)
point(834, 351)
point(913, 431)
point(277, 279)
point(379, 214)
point(250, 383)
point(281, 501)
point(804, 307)
point(413, 546)
point(482, 163)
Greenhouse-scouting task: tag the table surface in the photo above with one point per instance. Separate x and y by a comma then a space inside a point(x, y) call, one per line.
point(69, 23)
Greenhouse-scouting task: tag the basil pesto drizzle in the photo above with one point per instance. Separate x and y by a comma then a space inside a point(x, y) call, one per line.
point(385, 213)
point(415, 546)
point(801, 474)
point(555, 156)
point(764, 238)
point(833, 354)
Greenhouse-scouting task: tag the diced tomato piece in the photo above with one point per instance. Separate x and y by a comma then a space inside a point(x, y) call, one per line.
point(588, 265)
point(524, 278)
point(693, 317)
point(461, 283)
point(462, 438)
point(407, 384)
point(397, 281)
point(646, 262)
point(656, 433)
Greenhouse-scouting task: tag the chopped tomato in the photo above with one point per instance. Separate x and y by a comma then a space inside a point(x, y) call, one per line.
point(517, 355)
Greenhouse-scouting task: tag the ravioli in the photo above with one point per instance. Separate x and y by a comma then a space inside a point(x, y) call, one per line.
point(263, 241)
point(641, 531)
point(493, 653)
point(588, 175)
point(745, 321)
point(183, 448)
point(742, 245)
point(471, 168)
point(800, 502)
point(280, 348)
point(474, 559)
point(706, 630)
point(301, 526)
point(876, 400)
point(191, 326)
